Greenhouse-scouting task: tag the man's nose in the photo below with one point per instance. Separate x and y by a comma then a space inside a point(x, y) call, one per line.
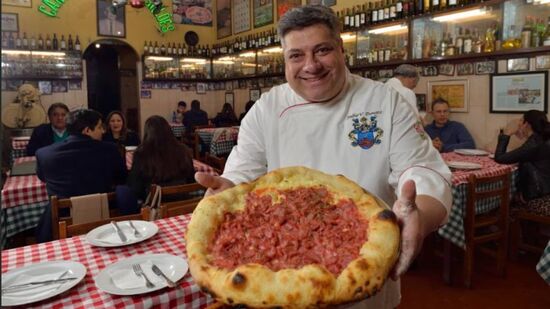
point(312, 63)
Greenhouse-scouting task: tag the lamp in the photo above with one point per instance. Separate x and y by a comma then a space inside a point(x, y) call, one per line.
point(160, 58)
point(394, 28)
point(460, 15)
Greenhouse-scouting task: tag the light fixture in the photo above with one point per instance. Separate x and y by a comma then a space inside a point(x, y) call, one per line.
point(15, 52)
point(46, 53)
point(194, 60)
point(223, 62)
point(273, 50)
point(246, 64)
point(248, 55)
point(394, 28)
point(157, 58)
point(460, 15)
point(97, 45)
point(542, 2)
point(348, 36)
point(226, 58)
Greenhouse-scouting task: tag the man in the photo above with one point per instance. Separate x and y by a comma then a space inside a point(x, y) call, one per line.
point(195, 117)
point(80, 165)
point(178, 114)
point(447, 135)
point(49, 133)
point(328, 119)
point(404, 81)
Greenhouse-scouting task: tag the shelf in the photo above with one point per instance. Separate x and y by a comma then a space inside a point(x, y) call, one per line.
point(34, 77)
point(505, 53)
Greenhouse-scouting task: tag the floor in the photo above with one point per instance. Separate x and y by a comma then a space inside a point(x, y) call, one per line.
point(423, 286)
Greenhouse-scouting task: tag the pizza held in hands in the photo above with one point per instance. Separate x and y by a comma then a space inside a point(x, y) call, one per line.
point(295, 237)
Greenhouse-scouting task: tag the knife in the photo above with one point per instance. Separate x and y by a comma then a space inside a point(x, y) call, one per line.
point(159, 273)
point(45, 282)
point(119, 232)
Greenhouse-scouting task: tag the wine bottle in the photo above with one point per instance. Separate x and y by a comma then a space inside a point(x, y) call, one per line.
point(70, 43)
point(63, 43)
point(55, 42)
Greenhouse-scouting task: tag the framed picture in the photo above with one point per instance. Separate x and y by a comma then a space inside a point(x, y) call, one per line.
point(255, 94)
point(45, 87)
point(542, 62)
point(519, 92)
point(192, 12)
point(430, 70)
point(23, 3)
point(262, 12)
point(519, 64)
point(145, 94)
point(75, 85)
point(59, 86)
point(241, 16)
point(485, 67)
point(229, 98)
point(110, 21)
point(385, 74)
point(322, 2)
point(284, 5)
point(223, 18)
point(10, 22)
point(453, 91)
point(421, 102)
point(201, 88)
point(447, 69)
point(229, 86)
point(465, 69)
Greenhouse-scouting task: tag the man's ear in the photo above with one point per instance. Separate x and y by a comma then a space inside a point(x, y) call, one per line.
point(86, 131)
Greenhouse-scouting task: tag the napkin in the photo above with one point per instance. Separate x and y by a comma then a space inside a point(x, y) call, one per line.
point(35, 290)
point(112, 238)
point(126, 278)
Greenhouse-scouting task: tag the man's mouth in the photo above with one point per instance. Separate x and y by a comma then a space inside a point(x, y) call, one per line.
point(314, 78)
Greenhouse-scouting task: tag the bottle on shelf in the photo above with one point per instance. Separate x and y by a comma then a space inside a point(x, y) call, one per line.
point(459, 43)
point(48, 42)
point(546, 41)
point(25, 41)
point(393, 10)
point(399, 9)
point(156, 49)
point(363, 16)
point(435, 5)
point(374, 13)
point(55, 42)
point(467, 42)
point(381, 12)
point(427, 6)
point(452, 3)
point(4, 40)
point(477, 42)
point(145, 48)
point(387, 10)
point(489, 46)
point(18, 43)
point(537, 35)
point(526, 32)
point(70, 43)
point(63, 43)
point(33, 43)
point(40, 42)
point(77, 43)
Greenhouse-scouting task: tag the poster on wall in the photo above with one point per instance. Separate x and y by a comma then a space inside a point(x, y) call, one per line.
point(453, 91)
point(223, 18)
point(284, 5)
point(23, 3)
point(519, 92)
point(59, 86)
point(110, 22)
point(263, 13)
point(322, 2)
point(241, 16)
point(192, 12)
point(10, 22)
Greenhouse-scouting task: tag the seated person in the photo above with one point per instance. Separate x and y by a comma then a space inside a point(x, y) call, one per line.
point(160, 159)
point(447, 135)
point(82, 165)
point(178, 114)
point(49, 133)
point(194, 117)
point(117, 132)
point(226, 117)
point(533, 156)
point(247, 107)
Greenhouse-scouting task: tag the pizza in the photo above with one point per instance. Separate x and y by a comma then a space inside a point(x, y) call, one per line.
point(295, 237)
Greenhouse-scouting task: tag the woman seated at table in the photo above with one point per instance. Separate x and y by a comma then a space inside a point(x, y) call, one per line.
point(117, 131)
point(533, 156)
point(160, 159)
point(247, 107)
point(226, 117)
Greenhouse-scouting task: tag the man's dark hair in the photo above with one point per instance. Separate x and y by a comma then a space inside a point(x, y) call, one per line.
point(57, 105)
point(83, 118)
point(309, 15)
point(182, 103)
point(195, 105)
point(439, 101)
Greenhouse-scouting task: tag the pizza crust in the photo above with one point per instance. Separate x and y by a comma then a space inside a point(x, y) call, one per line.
point(255, 285)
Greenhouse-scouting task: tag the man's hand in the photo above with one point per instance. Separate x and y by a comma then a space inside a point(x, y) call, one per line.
point(512, 127)
point(412, 231)
point(438, 144)
point(215, 184)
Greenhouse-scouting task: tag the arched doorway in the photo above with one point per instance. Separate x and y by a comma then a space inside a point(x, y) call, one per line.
point(112, 79)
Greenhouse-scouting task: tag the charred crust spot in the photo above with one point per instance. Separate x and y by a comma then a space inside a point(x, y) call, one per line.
point(387, 215)
point(358, 290)
point(204, 268)
point(264, 302)
point(239, 279)
point(362, 264)
point(230, 300)
point(208, 291)
point(367, 283)
point(351, 279)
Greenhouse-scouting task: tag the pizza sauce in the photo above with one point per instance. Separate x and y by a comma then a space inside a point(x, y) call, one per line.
point(301, 227)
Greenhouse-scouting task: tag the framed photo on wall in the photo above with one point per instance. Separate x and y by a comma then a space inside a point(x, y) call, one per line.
point(201, 88)
point(453, 91)
point(485, 67)
point(284, 5)
point(447, 69)
point(229, 98)
point(241, 16)
point(542, 62)
point(519, 64)
point(263, 13)
point(23, 3)
point(223, 18)
point(255, 94)
point(519, 92)
point(465, 69)
point(10, 22)
point(192, 12)
point(430, 70)
point(110, 21)
point(322, 2)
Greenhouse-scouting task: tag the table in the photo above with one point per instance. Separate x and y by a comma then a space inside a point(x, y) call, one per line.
point(221, 140)
point(178, 129)
point(168, 240)
point(19, 146)
point(454, 229)
point(543, 266)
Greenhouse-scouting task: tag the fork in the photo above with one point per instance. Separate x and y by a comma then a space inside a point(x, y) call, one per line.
point(137, 269)
point(136, 232)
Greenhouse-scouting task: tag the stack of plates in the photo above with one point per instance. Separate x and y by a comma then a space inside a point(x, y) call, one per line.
point(471, 152)
point(463, 165)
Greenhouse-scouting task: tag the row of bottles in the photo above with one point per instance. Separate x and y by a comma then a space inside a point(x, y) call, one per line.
point(381, 51)
point(533, 34)
point(170, 49)
point(16, 41)
point(252, 41)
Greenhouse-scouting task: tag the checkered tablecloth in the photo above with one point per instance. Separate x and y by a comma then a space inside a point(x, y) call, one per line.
point(454, 229)
point(23, 190)
point(19, 147)
point(198, 165)
point(168, 240)
point(543, 266)
point(178, 129)
point(224, 142)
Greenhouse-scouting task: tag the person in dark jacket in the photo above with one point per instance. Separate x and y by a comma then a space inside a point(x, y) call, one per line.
point(117, 132)
point(49, 133)
point(226, 117)
point(533, 156)
point(194, 117)
point(247, 107)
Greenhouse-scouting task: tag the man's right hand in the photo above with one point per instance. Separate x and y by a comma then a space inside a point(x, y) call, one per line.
point(215, 184)
point(438, 144)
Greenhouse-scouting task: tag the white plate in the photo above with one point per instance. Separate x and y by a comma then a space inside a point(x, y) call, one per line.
point(37, 293)
point(464, 165)
point(472, 152)
point(105, 235)
point(174, 267)
point(131, 148)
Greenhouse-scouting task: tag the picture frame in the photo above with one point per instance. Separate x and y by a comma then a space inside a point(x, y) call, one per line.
point(45, 87)
point(517, 65)
point(75, 85)
point(223, 18)
point(485, 67)
point(421, 102)
point(201, 88)
point(455, 92)
point(322, 2)
point(262, 12)
point(466, 68)
point(59, 86)
point(10, 22)
point(285, 5)
point(542, 62)
point(230, 98)
point(519, 92)
point(385, 74)
point(430, 70)
point(145, 94)
point(198, 13)
point(447, 69)
point(255, 94)
point(110, 22)
point(22, 3)
point(229, 85)
point(241, 16)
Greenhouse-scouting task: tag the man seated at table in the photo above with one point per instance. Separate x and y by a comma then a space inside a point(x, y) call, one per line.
point(447, 135)
point(194, 117)
point(81, 165)
point(49, 133)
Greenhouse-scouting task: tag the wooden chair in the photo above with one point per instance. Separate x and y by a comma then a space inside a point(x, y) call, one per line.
point(216, 162)
point(69, 230)
point(534, 213)
point(192, 141)
point(172, 209)
point(482, 229)
point(169, 192)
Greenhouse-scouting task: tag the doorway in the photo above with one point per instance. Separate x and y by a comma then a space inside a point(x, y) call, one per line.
point(112, 80)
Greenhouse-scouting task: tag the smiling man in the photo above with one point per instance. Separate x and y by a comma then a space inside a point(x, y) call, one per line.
point(328, 119)
point(49, 133)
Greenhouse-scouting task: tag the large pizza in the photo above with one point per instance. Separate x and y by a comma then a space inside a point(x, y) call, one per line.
point(295, 237)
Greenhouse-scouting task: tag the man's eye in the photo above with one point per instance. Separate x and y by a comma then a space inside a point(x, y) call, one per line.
point(293, 56)
point(323, 50)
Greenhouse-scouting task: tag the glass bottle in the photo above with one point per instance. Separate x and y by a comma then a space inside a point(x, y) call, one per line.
point(387, 10)
point(33, 42)
point(70, 43)
point(25, 41)
point(374, 14)
point(477, 42)
point(435, 5)
point(393, 10)
point(467, 42)
point(145, 48)
point(18, 43)
point(546, 41)
point(55, 42)
point(526, 32)
point(380, 11)
point(11, 41)
point(40, 42)
point(459, 42)
point(48, 42)
point(77, 43)
point(489, 46)
point(63, 43)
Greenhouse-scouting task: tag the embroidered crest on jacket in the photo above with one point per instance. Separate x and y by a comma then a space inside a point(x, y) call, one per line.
point(366, 132)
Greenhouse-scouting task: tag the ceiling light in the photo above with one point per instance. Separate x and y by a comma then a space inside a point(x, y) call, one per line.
point(393, 28)
point(248, 54)
point(223, 62)
point(156, 58)
point(45, 53)
point(273, 50)
point(16, 52)
point(194, 60)
point(97, 45)
point(460, 15)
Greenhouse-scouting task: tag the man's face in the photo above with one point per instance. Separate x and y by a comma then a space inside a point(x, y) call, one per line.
point(314, 63)
point(57, 118)
point(96, 133)
point(409, 82)
point(440, 113)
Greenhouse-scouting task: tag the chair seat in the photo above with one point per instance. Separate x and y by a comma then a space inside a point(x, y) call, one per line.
point(538, 207)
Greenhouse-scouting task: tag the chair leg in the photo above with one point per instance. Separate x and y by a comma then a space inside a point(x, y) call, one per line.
point(447, 261)
point(468, 265)
point(515, 239)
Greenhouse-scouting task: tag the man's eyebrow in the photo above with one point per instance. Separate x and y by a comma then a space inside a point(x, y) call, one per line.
point(322, 44)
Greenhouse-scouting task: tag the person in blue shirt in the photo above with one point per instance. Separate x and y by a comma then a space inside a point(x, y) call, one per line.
point(49, 133)
point(447, 135)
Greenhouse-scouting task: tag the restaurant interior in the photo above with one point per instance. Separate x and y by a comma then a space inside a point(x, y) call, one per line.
point(139, 59)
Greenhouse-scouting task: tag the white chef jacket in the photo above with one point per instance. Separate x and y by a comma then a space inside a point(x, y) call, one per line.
point(380, 153)
point(408, 95)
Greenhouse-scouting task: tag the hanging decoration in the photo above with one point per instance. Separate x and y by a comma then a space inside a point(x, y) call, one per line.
point(50, 8)
point(137, 4)
point(162, 16)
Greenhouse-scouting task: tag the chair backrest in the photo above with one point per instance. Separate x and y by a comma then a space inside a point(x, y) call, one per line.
point(172, 209)
point(216, 162)
point(68, 230)
point(58, 204)
point(176, 190)
point(192, 141)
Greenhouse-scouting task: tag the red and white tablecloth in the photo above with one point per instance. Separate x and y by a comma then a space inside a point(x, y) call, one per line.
point(23, 190)
point(20, 142)
point(168, 240)
point(220, 140)
point(198, 165)
point(488, 167)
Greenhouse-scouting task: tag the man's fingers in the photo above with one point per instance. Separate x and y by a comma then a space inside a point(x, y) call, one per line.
point(207, 180)
point(405, 258)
